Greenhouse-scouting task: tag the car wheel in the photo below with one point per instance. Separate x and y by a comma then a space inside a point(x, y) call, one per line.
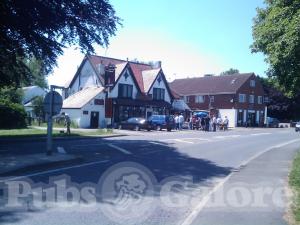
point(136, 128)
point(169, 129)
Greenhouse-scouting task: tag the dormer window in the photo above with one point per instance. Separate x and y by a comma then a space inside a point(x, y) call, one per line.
point(252, 83)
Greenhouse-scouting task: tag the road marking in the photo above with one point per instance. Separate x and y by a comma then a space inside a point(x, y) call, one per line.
point(245, 162)
point(120, 149)
point(258, 134)
point(183, 141)
point(56, 170)
point(200, 139)
point(155, 143)
point(228, 136)
point(192, 216)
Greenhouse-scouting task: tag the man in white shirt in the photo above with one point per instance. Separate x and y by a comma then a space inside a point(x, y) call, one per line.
point(176, 122)
point(181, 121)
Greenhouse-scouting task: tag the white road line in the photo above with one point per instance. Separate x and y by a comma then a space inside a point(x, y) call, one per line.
point(228, 136)
point(120, 149)
point(155, 143)
point(258, 134)
point(183, 141)
point(56, 170)
point(192, 216)
point(245, 162)
point(200, 139)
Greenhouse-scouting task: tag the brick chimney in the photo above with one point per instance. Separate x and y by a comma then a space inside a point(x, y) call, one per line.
point(109, 77)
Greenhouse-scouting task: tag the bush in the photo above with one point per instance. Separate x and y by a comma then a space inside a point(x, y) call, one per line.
point(12, 115)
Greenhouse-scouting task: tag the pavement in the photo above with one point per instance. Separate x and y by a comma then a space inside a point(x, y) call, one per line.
point(184, 171)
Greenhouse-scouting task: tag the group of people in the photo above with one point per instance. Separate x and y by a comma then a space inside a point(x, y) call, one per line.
point(207, 123)
point(179, 121)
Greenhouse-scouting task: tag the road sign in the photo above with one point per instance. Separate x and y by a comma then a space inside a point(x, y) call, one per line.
point(56, 100)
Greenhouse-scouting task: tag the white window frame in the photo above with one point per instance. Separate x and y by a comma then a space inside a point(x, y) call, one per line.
point(199, 98)
point(251, 99)
point(212, 98)
point(242, 98)
point(259, 99)
point(186, 99)
point(252, 83)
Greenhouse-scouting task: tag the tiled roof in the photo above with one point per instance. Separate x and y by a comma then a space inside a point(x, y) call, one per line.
point(119, 69)
point(210, 84)
point(81, 98)
point(137, 68)
point(149, 77)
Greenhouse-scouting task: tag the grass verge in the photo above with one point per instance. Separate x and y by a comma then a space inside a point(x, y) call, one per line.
point(31, 132)
point(294, 182)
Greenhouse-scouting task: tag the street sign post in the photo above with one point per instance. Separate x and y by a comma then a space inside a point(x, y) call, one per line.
point(52, 106)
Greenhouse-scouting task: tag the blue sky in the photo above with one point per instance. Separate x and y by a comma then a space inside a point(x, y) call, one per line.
point(191, 37)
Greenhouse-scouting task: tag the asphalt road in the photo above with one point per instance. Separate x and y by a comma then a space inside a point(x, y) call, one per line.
point(187, 177)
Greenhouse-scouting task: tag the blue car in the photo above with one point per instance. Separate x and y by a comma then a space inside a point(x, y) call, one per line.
point(159, 122)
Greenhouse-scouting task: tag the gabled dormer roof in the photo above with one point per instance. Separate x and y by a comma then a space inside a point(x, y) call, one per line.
point(149, 77)
point(144, 75)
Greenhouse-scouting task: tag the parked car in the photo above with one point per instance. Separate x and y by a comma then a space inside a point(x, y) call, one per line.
point(297, 127)
point(135, 123)
point(159, 122)
point(272, 122)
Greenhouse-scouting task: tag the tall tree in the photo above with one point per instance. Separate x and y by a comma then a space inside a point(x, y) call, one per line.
point(276, 33)
point(43, 28)
point(37, 74)
point(229, 72)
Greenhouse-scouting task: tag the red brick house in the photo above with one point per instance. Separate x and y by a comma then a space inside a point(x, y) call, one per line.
point(237, 96)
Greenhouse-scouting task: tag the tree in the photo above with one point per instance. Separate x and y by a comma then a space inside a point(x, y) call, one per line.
point(38, 108)
point(41, 29)
point(276, 33)
point(229, 72)
point(38, 77)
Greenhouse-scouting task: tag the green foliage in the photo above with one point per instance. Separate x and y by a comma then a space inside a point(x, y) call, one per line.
point(41, 29)
point(11, 94)
point(229, 72)
point(38, 107)
point(12, 112)
point(38, 76)
point(276, 34)
point(12, 115)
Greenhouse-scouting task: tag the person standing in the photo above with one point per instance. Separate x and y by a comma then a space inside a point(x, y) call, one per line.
point(225, 123)
point(219, 123)
point(176, 121)
point(207, 123)
point(68, 124)
point(181, 121)
point(214, 123)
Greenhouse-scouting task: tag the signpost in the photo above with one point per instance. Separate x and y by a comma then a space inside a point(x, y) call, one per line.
point(52, 106)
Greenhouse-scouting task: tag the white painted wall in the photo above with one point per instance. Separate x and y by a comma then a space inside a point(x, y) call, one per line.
point(231, 115)
point(87, 78)
point(162, 84)
point(84, 120)
point(114, 92)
